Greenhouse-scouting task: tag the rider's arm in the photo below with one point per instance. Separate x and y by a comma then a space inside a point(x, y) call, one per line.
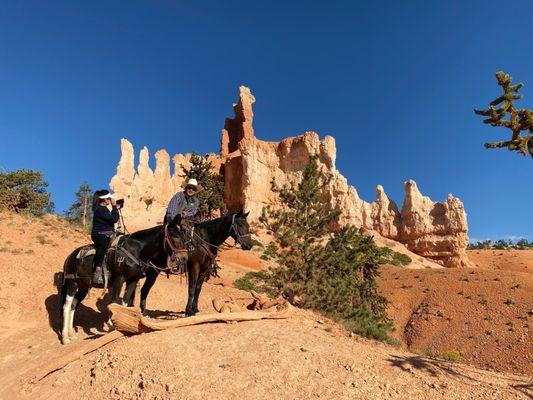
point(104, 214)
point(173, 206)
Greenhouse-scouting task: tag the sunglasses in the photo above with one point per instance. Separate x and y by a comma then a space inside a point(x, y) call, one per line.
point(191, 188)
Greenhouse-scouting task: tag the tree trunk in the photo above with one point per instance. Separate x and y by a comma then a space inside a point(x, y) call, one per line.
point(84, 211)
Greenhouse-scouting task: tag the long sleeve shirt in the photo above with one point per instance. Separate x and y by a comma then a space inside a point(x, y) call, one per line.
point(105, 220)
point(181, 203)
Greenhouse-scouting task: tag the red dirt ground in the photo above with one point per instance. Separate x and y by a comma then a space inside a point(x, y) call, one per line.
point(305, 356)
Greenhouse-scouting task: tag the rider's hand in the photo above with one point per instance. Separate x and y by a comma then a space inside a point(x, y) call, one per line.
point(113, 201)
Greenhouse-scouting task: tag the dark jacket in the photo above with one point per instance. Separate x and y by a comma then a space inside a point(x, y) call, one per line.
point(104, 220)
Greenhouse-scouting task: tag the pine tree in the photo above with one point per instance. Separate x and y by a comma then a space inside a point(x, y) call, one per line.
point(80, 211)
point(211, 195)
point(331, 272)
point(518, 119)
point(24, 190)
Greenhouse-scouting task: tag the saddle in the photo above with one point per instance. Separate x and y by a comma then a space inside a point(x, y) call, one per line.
point(89, 250)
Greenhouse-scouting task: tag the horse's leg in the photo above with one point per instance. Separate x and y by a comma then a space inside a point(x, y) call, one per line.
point(194, 272)
point(197, 291)
point(151, 276)
point(78, 298)
point(72, 288)
point(117, 287)
point(131, 301)
point(129, 292)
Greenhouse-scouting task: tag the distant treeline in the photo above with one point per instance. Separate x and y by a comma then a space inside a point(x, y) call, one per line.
point(521, 244)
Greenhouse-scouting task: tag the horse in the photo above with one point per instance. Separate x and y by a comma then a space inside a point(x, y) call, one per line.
point(147, 253)
point(139, 252)
point(207, 237)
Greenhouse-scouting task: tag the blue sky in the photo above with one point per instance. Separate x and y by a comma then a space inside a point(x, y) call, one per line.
point(394, 82)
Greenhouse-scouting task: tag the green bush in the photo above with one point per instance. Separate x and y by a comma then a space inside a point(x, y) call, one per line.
point(400, 259)
point(395, 258)
point(332, 272)
point(257, 281)
point(24, 191)
point(448, 355)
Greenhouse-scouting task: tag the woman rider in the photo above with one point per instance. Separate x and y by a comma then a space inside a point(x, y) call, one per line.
point(103, 228)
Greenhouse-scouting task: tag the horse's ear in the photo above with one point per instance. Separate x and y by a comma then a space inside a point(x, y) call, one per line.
point(245, 215)
point(176, 220)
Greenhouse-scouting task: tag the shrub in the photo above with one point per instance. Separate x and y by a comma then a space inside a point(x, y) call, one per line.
point(395, 258)
point(257, 281)
point(331, 272)
point(448, 355)
point(24, 191)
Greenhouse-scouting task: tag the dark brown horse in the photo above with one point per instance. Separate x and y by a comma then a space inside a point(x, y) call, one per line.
point(207, 237)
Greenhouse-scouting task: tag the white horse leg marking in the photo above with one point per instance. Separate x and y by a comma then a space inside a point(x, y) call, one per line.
point(67, 307)
point(71, 332)
point(110, 325)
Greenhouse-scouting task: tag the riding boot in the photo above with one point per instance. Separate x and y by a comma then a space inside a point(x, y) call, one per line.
point(97, 276)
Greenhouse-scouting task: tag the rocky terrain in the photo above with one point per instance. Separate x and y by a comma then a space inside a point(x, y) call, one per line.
point(435, 230)
point(303, 357)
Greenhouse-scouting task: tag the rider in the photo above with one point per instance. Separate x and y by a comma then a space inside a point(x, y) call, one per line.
point(103, 228)
point(185, 203)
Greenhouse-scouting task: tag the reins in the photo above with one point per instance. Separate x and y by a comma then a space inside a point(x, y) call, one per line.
point(224, 245)
point(173, 251)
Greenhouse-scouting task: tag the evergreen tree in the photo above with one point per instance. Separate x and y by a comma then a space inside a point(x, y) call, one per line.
point(211, 195)
point(518, 119)
point(80, 211)
point(331, 272)
point(24, 190)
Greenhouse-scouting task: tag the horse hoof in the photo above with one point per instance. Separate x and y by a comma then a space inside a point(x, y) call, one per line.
point(73, 336)
point(65, 340)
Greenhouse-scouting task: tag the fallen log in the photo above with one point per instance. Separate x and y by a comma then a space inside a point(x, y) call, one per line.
point(130, 320)
point(73, 352)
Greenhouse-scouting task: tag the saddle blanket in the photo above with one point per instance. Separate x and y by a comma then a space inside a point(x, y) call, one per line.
point(89, 249)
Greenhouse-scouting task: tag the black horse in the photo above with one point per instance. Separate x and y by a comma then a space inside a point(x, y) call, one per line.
point(147, 252)
point(207, 238)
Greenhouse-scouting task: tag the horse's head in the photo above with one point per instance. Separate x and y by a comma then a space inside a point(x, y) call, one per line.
point(175, 240)
point(240, 230)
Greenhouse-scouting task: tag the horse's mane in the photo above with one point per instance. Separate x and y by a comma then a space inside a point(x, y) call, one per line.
point(143, 233)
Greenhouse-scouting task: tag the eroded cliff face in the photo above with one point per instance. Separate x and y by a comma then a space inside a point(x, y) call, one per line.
point(146, 192)
point(248, 165)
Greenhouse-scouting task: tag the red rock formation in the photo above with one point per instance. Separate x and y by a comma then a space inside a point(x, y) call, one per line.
point(248, 165)
point(434, 230)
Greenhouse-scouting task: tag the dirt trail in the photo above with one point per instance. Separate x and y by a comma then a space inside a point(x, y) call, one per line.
point(303, 357)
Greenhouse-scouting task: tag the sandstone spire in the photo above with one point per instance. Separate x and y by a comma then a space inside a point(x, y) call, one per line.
point(240, 127)
point(123, 179)
point(163, 188)
point(385, 215)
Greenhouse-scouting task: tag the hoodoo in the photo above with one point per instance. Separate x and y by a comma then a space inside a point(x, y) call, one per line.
point(431, 229)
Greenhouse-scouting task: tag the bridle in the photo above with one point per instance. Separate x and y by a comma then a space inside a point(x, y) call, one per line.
point(172, 251)
point(237, 234)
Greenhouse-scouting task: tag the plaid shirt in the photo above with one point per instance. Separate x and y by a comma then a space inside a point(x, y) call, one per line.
point(179, 203)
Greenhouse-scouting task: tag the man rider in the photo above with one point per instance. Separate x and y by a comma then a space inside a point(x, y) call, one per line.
point(185, 203)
